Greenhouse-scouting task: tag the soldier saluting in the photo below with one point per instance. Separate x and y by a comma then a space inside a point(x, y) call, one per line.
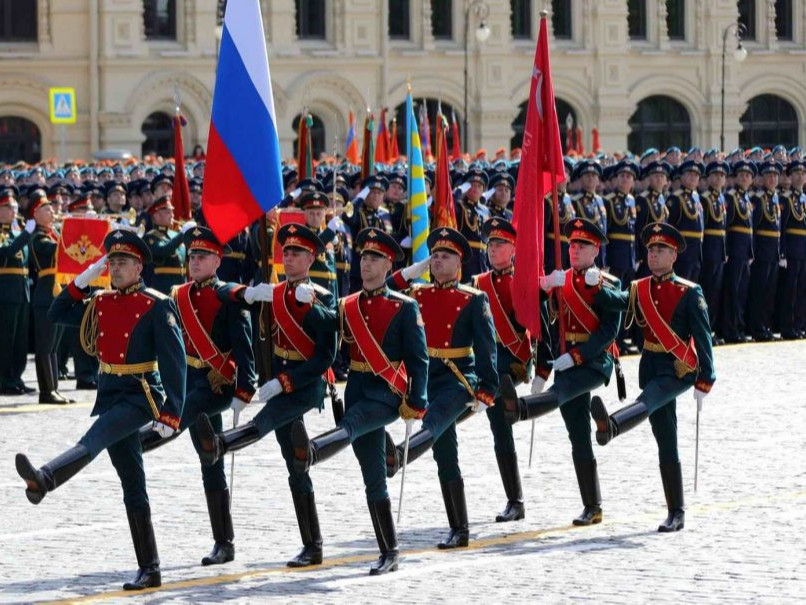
point(131, 329)
point(677, 354)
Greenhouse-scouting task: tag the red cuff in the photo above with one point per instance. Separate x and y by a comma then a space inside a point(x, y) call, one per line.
point(169, 420)
point(236, 294)
point(286, 383)
point(244, 395)
point(399, 280)
point(74, 291)
point(576, 356)
point(703, 386)
point(543, 371)
point(485, 397)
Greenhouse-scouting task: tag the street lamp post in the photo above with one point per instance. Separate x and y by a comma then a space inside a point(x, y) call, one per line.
point(482, 11)
point(740, 54)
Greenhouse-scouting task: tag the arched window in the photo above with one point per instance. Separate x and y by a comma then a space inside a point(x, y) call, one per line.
point(159, 19)
point(20, 139)
point(159, 133)
point(563, 111)
point(18, 21)
point(431, 111)
point(318, 140)
point(659, 122)
point(769, 121)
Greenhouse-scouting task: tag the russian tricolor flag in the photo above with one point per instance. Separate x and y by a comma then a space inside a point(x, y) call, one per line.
point(243, 176)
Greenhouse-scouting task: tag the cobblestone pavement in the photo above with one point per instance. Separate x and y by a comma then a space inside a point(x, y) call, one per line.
point(743, 540)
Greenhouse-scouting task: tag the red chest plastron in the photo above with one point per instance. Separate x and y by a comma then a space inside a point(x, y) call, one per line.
point(206, 304)
point(440, 308)
point(378, 312)
point(118, 314)
point(666, 295)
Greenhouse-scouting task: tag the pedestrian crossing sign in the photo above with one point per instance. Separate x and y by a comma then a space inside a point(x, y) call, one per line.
point(62, 105)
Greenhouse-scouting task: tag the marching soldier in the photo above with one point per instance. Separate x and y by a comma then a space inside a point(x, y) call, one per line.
point(15, 294)
point(461, 371)
point(217, 334)
point(739, 250)
point(588, 363)
point(686, 215)
point(304, 346)
point(367, 213)
point(566, 213)
point(47, 335)
point(470, 215)
point(513, 354)
point(766, 253)
point(323, 270)
point(387, 380)
point(131, 329)
point(793, 253)
point(714, 253)
point(677, 354)
point(650, 207)
point(166, 247)
point(587, 203)
point(502, 185)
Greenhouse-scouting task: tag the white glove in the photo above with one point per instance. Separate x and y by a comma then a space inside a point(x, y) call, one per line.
point(416, 270)
point(237, 405)
point(163, 429)
point(270, 389)
point(363, 193)
point(295, 194)
point(91, 273)
point(91, 214)
point(538, 384)
point(477, 406)
point(782, 263)
point(335, 224)
point(305, 293)
point(188, 226)
point(592, 276)
point(556, 279)
point(699, 397)
point(464, 187)
point(563, 362)
point(30, 225)
point(405, 242)
point(260, 293)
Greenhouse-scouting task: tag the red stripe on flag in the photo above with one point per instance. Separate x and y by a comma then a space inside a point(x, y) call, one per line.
point(227, 202)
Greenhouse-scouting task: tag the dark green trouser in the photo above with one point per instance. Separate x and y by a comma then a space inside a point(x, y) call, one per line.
point(660, 397)
point(364, 421)
point(573, 388)
point(13, 353)
point(444, 407)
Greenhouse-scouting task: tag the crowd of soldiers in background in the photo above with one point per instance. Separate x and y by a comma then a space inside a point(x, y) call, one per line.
point(743, 216)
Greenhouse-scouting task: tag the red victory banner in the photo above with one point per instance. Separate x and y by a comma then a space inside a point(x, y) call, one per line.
point(285, 216)
point(80, 245)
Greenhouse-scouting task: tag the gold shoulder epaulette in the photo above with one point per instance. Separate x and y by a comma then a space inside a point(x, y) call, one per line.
point(468, 289)
point(684, 282)
point(155, 294)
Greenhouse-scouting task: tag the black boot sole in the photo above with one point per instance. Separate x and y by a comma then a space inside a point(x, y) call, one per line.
point(384, 566)
point(210, 449)
point(588, 518)
point(602, 420)
point(33, 478)
point(670, 526)
point(302, 447)
point(219, 556)
point(145, 580)
point(455, 540)
point(513, 512)
point(306, 559)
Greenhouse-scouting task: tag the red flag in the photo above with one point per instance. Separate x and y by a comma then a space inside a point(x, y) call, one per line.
point(444, 210)
point(595, 148)
point(81, 243)
point(457, 141)
point(541, 169)
point(569, 140)
point(181, 190)
point(304, 151)
point(352, 142)
point(580, 142)
point(425, 130)
point(382, 140)
point(394, 150)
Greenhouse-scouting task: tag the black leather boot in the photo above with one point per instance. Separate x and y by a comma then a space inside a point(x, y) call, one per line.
point(384, 526)
point(54, 364)
point(53, 474)
point(221, 522)
point(419, 443)
point(511, 477)
point(151, 439)
point(453, 493)
point(308, 521)
point(621, 421)
point(215, 445)
point(308, 452)
point(517, 409)
point(47, 381)
point(588, 480)
point(672, 476)
point(145, 548)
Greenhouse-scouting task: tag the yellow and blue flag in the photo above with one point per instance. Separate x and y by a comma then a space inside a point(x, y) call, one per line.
point(418, 205)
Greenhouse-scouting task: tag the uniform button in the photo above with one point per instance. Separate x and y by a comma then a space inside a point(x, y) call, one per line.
point(137, 315)
point(115, 297)
point(498, 280)
point(198, 293)
point(655, 301)
point(397, 305)
point(369, 302)
point(458, 308)
point(100, 313)
point(366, 318)
point(125, 335)
point(101, 334)
point(121, 355)
point(449, 326)
point(447, 344)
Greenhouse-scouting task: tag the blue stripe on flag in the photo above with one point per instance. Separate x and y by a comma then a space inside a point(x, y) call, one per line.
point(246, 128)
